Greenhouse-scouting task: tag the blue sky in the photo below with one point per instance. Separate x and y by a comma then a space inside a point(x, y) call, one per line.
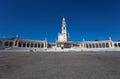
point(37, 19)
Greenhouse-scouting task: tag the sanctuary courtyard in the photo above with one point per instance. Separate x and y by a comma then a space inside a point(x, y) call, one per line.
point(63, 43)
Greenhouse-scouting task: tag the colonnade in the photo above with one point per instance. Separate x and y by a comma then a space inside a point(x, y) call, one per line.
point(8, 43)
point(31, 44)
point(96, 45)
point(27, 44)
point(117, 44)
point(44, 44)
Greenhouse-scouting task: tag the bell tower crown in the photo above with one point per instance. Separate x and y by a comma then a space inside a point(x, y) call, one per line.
point(64, 31)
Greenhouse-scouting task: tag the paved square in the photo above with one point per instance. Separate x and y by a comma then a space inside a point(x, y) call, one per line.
point(60, 65)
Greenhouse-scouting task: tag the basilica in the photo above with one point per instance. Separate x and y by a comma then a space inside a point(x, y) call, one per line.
point(63, 43)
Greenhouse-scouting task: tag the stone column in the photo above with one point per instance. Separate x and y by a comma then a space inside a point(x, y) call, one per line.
point(101, 45)
point(95, 45)
point(113, 45)
point(72, 45)
point(110, 44)
point(3, 43)
point(88, 45)
point(25, 44)
point(22, 44)
point(29, 44)
point(98, 45)
point(37, 45)
point(44, 45)
point(105, 45)
point(33, 45)
point(79, 45)
point(13, 43)
point(117, 44)
point(85, 45)
point(17, 43)
point(91, 45)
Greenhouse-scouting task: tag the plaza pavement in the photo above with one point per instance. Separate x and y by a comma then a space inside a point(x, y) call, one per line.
point(59, 65)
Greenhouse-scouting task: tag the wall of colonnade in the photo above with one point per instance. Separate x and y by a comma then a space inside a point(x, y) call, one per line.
point(97, 45)
point(117, 44)
point(44, 44)
point(21, 43)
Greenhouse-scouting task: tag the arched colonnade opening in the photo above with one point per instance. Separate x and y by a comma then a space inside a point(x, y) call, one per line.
point(30, 44)
point(117, 44)
point(8, 43)
point(95, 45)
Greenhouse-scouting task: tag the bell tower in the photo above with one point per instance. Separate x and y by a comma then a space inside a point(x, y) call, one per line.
point(63, 36)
